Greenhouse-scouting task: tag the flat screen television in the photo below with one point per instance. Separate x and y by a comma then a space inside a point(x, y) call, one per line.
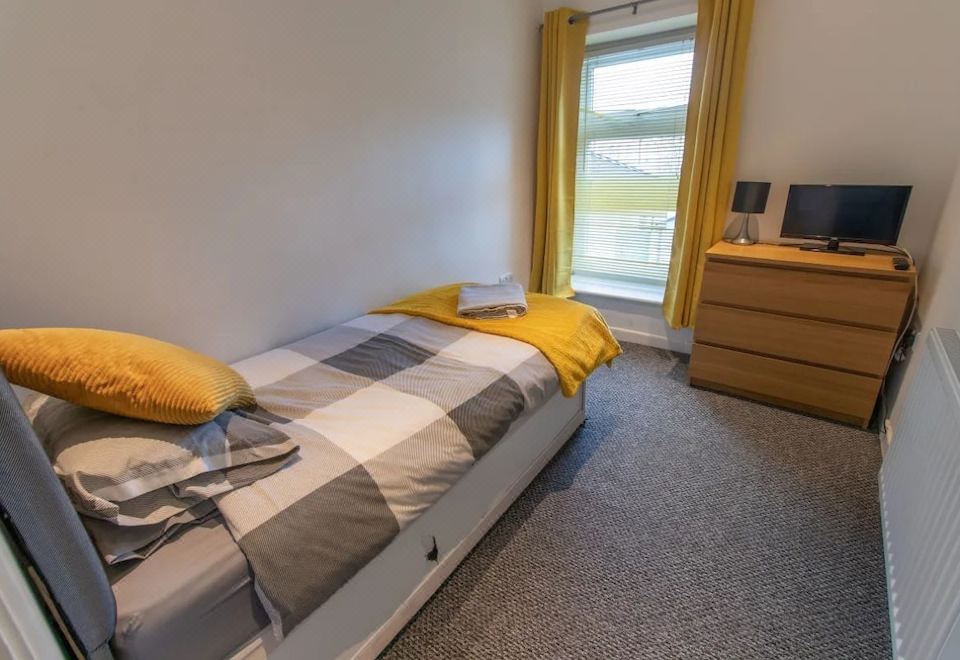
point(863, 214)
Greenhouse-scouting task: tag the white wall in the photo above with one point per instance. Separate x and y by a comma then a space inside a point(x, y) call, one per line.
point(233, 174)
point(854, 91)
point(939, 304)
point(639, 322)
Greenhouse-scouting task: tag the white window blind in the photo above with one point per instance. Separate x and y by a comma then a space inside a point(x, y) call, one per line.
point(632, 116)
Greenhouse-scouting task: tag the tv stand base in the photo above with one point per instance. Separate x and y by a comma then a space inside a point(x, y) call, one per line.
point(833, 245)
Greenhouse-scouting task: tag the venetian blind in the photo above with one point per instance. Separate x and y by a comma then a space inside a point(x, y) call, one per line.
point(630, 147)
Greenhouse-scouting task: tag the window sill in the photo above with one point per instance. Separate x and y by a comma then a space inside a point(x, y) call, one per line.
point(648, 293)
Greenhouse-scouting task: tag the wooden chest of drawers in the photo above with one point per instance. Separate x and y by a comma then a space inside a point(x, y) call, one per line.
point(806, 330)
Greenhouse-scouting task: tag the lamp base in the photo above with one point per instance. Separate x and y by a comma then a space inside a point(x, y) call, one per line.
point(743, 237)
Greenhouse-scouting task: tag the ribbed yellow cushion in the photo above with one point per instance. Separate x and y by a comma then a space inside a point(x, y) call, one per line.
point(122, 373)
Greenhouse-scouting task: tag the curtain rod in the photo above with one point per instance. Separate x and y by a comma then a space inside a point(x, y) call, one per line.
point(579, 17)
point(635, 4)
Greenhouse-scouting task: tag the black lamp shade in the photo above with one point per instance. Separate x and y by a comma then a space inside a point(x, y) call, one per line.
point(751, 196)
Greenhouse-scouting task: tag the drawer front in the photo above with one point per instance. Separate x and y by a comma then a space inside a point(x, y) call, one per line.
point(863, 350)
point(865, 301)
point(836, 394)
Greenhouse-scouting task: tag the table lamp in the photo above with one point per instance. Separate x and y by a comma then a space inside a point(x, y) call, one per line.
point(749, 197)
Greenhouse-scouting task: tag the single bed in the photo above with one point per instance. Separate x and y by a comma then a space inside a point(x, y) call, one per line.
point(210, 610)
point(197, 595)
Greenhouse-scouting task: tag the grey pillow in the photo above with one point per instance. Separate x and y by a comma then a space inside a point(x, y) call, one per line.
point(133, 472)
point(119, 544)
point(158, 505)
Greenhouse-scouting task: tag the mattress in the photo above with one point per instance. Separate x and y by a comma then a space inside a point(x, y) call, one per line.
point(193, 598)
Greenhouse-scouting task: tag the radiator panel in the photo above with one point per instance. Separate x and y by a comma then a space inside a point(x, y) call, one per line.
point(920, 506)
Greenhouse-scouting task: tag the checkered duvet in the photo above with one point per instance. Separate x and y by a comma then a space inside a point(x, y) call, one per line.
point(389, 412)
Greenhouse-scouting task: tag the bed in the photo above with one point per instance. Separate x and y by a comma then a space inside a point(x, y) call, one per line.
point(201, 595)
point(211, 610)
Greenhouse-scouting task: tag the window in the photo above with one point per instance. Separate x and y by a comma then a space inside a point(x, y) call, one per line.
point(632, 117)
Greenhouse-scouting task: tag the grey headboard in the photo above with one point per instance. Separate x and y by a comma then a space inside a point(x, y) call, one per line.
point(39, 516)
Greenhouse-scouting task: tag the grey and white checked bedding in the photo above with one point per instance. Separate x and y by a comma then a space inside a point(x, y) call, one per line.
point(389, 412)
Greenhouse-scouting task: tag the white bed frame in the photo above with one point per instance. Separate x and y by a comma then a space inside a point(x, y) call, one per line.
point(363, 617)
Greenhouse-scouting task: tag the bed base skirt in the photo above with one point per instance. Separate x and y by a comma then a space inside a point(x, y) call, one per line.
point(361, 619)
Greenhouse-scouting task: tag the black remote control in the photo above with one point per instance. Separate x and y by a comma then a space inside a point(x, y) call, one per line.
point(900, 263)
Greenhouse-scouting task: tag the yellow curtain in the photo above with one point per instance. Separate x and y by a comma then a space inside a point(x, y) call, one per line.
point(560, 64)
point(710, 151)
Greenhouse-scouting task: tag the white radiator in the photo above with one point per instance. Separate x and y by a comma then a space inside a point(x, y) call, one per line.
point(920, 506)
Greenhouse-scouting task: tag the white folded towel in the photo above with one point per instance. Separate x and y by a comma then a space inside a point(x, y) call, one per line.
point(494, 301)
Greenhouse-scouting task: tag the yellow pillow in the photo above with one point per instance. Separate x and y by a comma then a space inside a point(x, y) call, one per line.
point(122, 373)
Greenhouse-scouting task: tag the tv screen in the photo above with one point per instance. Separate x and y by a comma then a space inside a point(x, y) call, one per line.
point(868, 214)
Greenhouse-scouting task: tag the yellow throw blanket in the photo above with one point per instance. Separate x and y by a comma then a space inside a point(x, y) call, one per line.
point(573, 336)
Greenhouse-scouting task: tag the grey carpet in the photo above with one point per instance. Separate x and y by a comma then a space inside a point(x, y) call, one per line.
point(677, 523)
